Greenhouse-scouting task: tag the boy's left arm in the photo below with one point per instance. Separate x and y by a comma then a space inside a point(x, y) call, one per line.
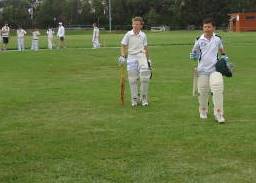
point(221, 48)
point(146, 52)
point(222, 51)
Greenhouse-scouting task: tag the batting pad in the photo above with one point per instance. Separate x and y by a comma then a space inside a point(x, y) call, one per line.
point(217, 88)
point(143, 62)
point(144, 81)
point(203, 91)
point(133, 76)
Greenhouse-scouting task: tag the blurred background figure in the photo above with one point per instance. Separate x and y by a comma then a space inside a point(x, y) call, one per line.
point(96, 36)
point(5, 35)
point(20, 38)
point(50, 34)
point(35, 39)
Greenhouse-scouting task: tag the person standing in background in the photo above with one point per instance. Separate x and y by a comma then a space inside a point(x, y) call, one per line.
point(5, 36)
point(61, 35)
point(96, 37)
point(20, 38)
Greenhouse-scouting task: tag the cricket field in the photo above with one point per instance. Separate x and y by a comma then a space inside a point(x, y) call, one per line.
point(61, 120)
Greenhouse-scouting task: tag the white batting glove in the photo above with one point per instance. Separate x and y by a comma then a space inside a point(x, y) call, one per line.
point(122, 60)
point(225, 57)
point(194, 56)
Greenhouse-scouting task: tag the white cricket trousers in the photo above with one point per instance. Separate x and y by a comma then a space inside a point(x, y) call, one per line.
point(213, 83)
point(21, 45)
point(35, 43)
point(50, 43)
point(96, 43)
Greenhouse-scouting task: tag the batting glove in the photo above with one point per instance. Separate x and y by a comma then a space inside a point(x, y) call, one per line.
point(122, 60)
point(224, 56)
point(229, 65)
point(194, 56)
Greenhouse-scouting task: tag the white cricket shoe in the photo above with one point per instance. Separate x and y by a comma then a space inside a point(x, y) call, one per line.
point(134, 102)
point(144, 101)
point(219, 118)
point(203, 115)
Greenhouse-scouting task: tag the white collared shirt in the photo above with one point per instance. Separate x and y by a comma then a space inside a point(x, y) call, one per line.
point(96, 34)
point(21, 33)
point(50, 33)
point(208, 49)
point(5, 31)
point(135, 42)
point(35, 35)
point(61, 31)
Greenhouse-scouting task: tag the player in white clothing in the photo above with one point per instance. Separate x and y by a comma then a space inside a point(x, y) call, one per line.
point(35, 39)
point(206, 49)
point(134, 45)
point(96, 36)
point(5, 35)
point(61, 35)
point(50, 34)
point(20, 38)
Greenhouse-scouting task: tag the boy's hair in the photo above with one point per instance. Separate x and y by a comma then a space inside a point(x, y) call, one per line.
point(209, 21)
point(139, 19)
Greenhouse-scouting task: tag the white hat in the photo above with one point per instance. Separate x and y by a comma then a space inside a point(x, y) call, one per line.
point(60, 23)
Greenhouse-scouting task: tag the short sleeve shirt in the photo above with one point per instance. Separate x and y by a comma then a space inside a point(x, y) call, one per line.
point(135, 42)
point(208, 49)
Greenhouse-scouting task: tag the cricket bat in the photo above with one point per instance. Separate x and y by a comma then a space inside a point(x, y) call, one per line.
point(195, 77)
point(122, 84)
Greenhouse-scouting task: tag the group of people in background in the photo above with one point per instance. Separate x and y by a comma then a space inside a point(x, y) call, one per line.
point(5, 33)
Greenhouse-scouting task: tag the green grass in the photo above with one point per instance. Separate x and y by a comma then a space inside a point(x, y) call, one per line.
point(61, 121)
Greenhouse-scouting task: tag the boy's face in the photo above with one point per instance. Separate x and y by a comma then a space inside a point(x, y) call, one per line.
point(136, 26)
point(208, 29)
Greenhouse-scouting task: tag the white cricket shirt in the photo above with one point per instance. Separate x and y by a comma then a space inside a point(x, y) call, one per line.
point(21, 33)
point(96, 33)
point(50, 33)
point(135, 42)
point(61, 31)
point(208, 49)
point(5, 31)
point(35, 35)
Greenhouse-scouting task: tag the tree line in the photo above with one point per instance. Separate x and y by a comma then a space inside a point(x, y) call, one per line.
point(176, 13)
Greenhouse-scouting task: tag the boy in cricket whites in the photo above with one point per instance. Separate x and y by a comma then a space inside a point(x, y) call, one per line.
point(50, 34)
point(96, 36)
point(205, 50)
point(5, 35)
point(61, 35)
point(35, 39)
point(20, 38)
point(134, 51)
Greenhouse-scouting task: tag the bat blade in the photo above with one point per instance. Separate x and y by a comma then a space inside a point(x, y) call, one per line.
point(122, 84)
point(195, 76)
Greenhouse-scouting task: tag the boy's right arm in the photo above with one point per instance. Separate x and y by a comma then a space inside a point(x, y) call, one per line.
point(123, 53)
point(123, 50)
point(195, 54)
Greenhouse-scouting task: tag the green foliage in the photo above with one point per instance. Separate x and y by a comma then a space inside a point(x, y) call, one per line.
point(155, 12)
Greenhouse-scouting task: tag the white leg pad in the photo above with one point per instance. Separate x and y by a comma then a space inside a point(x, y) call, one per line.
point(133, 76)
point(203, 91)
point(144, 82)
point(217, 88)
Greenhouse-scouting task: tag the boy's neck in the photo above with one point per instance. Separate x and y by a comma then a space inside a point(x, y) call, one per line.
point(208, 36)
point(136, 32)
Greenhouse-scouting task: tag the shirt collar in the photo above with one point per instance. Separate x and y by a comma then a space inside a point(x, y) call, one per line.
point(132, 33)
point(202, 37)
